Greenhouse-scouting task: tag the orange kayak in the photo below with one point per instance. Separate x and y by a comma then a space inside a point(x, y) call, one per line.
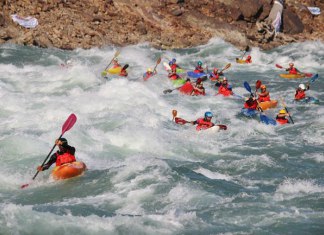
point(292, 76)
point(268, 104)
point(68, 170)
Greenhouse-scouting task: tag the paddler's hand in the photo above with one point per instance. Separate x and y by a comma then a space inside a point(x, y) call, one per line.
point(39, 168)
point(58, 142)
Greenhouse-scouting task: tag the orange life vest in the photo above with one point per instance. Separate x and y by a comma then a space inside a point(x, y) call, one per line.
point(203, 125)
point(300, 94)
point(264, 98)
point(64, 158)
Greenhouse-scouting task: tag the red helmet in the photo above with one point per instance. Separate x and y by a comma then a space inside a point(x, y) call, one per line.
point(249, 57)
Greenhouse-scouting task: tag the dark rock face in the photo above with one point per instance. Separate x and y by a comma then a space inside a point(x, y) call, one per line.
point(167, 24)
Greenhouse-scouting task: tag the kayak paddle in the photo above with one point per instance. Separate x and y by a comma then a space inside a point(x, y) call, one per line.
point(68, 124)
point(314, 78)
point(157, 63)
point(306, 74)
point(246, 50)
point(284, 105)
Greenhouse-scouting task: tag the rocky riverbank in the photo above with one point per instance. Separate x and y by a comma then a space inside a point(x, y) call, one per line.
point(166, 24)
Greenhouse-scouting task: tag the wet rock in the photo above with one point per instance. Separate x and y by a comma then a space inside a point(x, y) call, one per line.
point(292, 23)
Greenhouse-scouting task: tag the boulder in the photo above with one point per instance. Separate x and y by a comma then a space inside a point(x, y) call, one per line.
point(250, 9)
point(291, 22)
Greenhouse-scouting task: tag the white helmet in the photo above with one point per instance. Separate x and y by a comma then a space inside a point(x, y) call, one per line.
point(302, 86)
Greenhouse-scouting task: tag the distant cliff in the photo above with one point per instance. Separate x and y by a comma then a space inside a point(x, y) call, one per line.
point(166, 24)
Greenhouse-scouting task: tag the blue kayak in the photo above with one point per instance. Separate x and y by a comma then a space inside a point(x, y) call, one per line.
point(249, 112)
point(308, 100)
point(192, 74)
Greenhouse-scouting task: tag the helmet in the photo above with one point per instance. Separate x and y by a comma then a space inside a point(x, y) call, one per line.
point(199, 80)
point(209, 114)
point(224, 79)
point(149, 70)
point(199, 63)
point(291, 64)
point(215, 69)
point(302, 86)
point(64, 141)
point(116, 59)
point(263, 87)
point(249, 57)
point(174, 60)
point(282, 111)
point(170, 63)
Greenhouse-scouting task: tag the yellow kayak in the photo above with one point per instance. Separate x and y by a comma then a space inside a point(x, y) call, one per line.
point(68, 170)
point(268, 104)
point(116, 70)
point(292, 76)
point(239, 61)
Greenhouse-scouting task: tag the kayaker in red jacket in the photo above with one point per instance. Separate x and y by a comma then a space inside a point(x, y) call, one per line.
point(174, 65)
point(292, 69)
point(300, 91)
point(281, 117)
point(251, 103)
point(64, 155)
point(215, 75)
point(225, 89)
point(248, 59)
point(204, 123)
point(198, 88)
point(149, 73)
point(199, 68)
point(264, 95)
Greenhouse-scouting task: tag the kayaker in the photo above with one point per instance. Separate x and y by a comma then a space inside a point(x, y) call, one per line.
point(205, 122)
point(149, 73)
point(292, 69)
point(248, 59)
point(174, 65)
point(198, 88)
point(225, 89)
point(264, 95)
point(300, 91)
point(281, 117)
point(251, 103)
point(173, 73)
point(215, 74)
point(199, 68)
point(65, 154)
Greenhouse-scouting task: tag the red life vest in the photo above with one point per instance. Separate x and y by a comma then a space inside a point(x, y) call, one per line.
point(147, 76)
point(197, 92)
point(248, 61)
point(64, 158)
point(173, 76)
point(123, 73)
point(293, 71)
point(254, 105)
point(174, 67)
point(214, 77)
point(300, 94)
point(203, 125)
point(282, 121)
point(224, 91)
point(199, 69)
point(264, 98)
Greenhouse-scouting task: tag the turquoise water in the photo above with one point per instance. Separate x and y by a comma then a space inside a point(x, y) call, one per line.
point(147, 175)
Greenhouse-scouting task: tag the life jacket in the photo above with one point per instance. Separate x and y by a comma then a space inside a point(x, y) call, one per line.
point(186, 89)
point(300, 94)
point(199, 69)
point(293, 71)
point(264, 98)
point(147, 76)
point(197, 92)
point(225, 91)
point(214, 77)
point(64, 158)
point(253, 105)
point(281, 120)
point(116, 66)
point(173, 76)
point(203, 125)
point(174, 67)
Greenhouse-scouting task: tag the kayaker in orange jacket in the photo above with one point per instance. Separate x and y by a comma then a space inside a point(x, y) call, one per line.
point(292, 69)
point(281, 117)
point(225, 89)
point(300, 91)
point(264, 95)
point(64, 155)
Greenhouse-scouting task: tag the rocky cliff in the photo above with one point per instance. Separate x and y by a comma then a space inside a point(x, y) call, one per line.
point(165, 24)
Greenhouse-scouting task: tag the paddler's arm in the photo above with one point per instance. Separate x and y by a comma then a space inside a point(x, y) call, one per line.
point(48, 164)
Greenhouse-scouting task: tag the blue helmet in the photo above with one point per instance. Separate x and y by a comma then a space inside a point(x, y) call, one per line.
point(209, 115)
point(170, 63)
point(174, 60)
